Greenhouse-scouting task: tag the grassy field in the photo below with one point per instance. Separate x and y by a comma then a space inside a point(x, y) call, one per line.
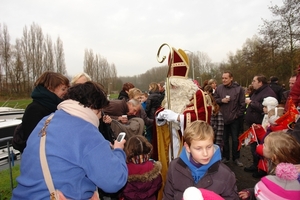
point(22, 103)
point(5, 189)
point(17, 103)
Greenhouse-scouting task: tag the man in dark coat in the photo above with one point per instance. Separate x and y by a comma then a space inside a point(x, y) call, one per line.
point(231, 98)
point(255, 114)
point(278, 90)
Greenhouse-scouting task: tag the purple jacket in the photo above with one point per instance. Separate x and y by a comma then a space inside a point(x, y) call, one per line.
point(144, 181)
point(254, 112)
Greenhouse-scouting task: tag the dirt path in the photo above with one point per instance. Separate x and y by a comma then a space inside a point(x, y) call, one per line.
point(244, 179)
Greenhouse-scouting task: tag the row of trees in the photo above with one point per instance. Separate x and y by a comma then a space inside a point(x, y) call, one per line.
point(101, 71)
point(34, 53)
point(275, 50)
point(27, 59)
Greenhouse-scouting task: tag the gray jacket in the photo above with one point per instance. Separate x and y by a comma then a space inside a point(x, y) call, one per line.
point(236, 106)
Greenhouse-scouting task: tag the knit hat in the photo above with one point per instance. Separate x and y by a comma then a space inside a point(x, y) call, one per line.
point(270, 102)
point(192, 193)
point(282, 186)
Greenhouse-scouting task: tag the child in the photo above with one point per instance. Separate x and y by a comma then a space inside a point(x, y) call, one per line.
point(282, 186)
point(199, 165)
point(216, 120)
point(278, 147)
point(272, 113)
point(144, 98)
point(144, 178)
point(269, 104)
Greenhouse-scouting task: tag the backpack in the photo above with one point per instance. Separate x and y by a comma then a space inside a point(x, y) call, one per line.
point(18, 142)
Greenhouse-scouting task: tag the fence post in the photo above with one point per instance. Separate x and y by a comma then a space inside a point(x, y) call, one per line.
point(8, 139)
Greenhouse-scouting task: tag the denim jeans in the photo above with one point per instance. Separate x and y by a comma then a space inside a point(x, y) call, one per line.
point(233, 130)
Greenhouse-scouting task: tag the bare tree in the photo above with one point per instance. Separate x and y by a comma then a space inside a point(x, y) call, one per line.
point(36, 47)
point(271, 37)
point(289, 26)
point(88, 63)
point(25, 49)
point(5, 53)
point(48, 59)
point(60, 57)
point(19, 72)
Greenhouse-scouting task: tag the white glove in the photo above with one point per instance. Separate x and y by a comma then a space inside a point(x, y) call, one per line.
point(160, 116)
point(168, 115)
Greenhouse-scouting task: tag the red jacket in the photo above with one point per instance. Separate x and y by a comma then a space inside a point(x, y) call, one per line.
point(295, 90)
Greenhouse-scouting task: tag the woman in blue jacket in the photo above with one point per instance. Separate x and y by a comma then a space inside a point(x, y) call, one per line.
point(79, 158)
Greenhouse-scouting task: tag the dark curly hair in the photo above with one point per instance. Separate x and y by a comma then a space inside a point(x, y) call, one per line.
point(89, 94)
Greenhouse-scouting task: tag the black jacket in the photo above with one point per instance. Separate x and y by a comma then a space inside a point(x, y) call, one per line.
point(44, 103)
point(277, 90)
point(123, 95)
point(152, 103)
point(254, 112)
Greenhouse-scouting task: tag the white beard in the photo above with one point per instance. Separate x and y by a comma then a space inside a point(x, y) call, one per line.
point(181, 92)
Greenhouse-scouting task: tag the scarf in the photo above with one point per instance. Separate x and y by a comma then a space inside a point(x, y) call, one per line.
point(74, 108)
point(45, 97)
point(139, 159)
point(198, 173)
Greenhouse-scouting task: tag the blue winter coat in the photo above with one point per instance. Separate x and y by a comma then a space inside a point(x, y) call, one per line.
point(79, 159)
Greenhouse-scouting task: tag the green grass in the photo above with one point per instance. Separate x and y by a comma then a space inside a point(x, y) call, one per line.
point(22, 103)
point(18, 103)
point(113, 96)
point(5, 188)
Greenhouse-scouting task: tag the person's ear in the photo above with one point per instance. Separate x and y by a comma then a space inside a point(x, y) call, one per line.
point(48, 88)
point(187, 147)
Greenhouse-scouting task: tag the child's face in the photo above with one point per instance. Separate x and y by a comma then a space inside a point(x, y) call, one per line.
point(201, 150)
point(265, 109)
point(143, 98)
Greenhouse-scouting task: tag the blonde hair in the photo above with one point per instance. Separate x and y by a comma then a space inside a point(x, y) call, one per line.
point(198, 130)
point(76, 77)
point(211, 81)
point(133, 92)
point(154, 87)
point(283, 148)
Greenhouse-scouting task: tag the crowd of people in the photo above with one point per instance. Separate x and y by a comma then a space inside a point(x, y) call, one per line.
point(177, 137)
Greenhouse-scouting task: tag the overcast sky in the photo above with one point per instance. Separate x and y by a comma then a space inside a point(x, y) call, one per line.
point(128, 33)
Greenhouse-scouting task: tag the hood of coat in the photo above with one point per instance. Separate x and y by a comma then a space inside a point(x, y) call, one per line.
point(154, 169)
